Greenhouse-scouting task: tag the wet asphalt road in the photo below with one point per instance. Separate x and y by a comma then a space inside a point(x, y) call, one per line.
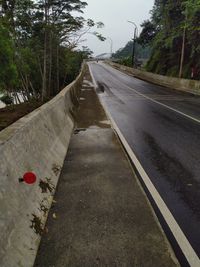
point(166, 142)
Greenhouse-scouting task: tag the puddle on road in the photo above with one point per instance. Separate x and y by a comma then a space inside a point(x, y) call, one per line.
point(104, 88)
point(100, 88)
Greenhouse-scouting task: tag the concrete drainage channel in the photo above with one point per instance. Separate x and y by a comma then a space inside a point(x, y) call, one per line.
point(36, 143)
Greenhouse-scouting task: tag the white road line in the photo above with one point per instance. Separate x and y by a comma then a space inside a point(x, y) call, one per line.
point(155, 101)
point(181, 239)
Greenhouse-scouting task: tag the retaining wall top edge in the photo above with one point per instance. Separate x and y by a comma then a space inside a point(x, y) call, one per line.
point(195, 82)
point(7, 133)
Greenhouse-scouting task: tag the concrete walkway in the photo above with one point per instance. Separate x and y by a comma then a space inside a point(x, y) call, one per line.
point(100, 216)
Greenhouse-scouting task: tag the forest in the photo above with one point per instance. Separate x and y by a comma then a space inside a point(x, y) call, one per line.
point(124, 55)
point(170, 40)
point(173, 33)
point(38, 46)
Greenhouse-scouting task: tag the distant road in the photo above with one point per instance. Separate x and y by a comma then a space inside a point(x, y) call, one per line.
point(162, 127)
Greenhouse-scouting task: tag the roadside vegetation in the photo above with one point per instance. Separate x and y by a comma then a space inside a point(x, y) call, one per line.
point(38, 41)
point(173, 33)
point(169, 43)
point(38, 49)
point(124, 55)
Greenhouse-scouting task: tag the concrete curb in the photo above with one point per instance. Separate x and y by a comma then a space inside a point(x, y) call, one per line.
point(37, 142)
point(184, 85)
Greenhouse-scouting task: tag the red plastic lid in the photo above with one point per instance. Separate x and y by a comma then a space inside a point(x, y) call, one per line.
point(29, 178)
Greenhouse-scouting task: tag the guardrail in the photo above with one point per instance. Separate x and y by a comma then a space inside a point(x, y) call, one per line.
point(36, 143)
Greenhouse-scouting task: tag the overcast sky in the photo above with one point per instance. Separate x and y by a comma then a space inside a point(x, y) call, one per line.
point(114, 14)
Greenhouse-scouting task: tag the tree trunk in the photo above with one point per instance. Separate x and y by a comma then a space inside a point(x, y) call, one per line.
point(33, 90)
point(24, 96)
point(50, 64)
point(183, 46)
point(182, 54)
point(18, 98)
point(57, 70)
point(44, 85)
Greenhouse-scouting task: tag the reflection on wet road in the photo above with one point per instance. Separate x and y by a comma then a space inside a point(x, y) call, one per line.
point(166, 142)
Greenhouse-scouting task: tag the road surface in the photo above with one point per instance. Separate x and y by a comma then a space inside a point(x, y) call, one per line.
point(162, 127)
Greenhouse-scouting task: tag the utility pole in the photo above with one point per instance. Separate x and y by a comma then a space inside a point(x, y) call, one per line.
point(183, 47)
point(182, 54)
point(111, 46)
point(134, 42)
point(134, 46)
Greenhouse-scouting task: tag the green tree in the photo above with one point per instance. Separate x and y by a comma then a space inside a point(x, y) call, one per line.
point(8, 71)
point(148, 33)
point(43, 34)
point(124, 55)
point(173, 33)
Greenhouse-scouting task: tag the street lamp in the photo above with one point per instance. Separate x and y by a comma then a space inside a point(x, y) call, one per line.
point(134, 41)
point(111, 45)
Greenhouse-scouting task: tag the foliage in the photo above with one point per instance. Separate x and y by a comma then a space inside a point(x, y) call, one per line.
point(6, 99)
point(141, 52)
point(148, 33)
point(38, 45)
point(126, 61)
point(164, 32)
point(8, 72)
point(125, 54)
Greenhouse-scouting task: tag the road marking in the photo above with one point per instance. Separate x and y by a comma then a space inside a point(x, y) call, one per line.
point(155, 101)
point(181, 239)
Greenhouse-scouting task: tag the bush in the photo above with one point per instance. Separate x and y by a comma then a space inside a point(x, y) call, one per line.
point(6, 99)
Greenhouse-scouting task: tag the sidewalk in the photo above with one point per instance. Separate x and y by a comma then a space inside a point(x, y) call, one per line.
point(100, 216)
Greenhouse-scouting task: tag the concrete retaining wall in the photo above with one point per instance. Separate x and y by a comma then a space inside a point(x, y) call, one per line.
point(37, 142)
point(186, 85)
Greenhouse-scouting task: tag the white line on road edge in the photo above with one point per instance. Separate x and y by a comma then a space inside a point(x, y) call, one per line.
point(155, 101)
point(181, 239)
